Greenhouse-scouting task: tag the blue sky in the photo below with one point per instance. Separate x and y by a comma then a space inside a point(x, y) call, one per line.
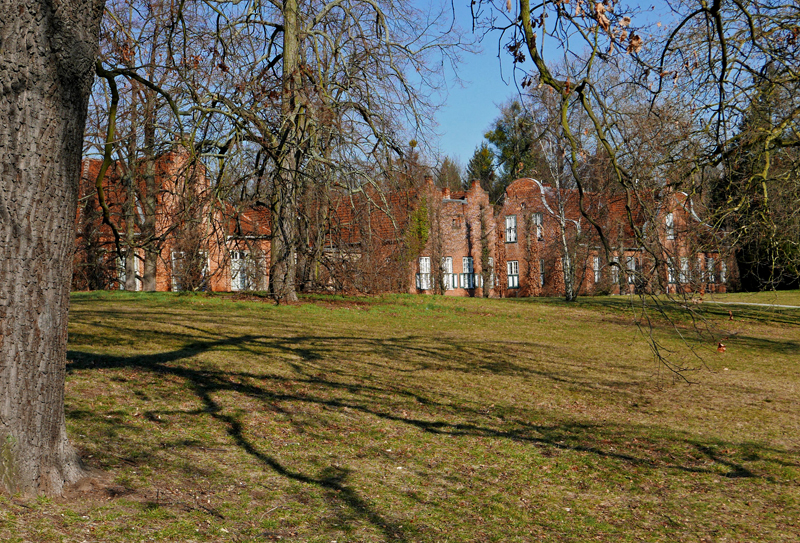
point(469, 110)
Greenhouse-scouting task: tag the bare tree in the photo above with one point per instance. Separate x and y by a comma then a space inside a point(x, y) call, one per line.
point(322, 84)
point(706, 59)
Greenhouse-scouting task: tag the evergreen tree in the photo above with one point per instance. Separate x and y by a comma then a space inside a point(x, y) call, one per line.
point(449, 174)
point(758, 198)
point(514, 137)
point(481, 168)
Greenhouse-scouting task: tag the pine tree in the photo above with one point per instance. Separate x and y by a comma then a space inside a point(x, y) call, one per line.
point(481, 168)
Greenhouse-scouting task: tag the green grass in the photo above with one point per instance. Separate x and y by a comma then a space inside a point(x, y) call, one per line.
point(424, 419)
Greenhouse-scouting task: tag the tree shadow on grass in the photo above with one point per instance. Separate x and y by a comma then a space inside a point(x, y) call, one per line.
point(205, 384)
point(336, 386)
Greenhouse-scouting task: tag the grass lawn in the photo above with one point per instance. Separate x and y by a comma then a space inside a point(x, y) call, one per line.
point(425, 419)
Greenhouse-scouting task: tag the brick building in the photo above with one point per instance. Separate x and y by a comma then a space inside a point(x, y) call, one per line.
point(458, 255)
point(195, 242)
point(526, 246)
point(418, 240)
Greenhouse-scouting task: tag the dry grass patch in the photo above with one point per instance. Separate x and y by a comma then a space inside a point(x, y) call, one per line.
point(420, 419)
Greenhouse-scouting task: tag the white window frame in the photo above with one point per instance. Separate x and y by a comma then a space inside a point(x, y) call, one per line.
point(596, 268)
point(511, 228)
point(615, 270)
point(448, 278)
point(240, 280)
point(630, 265)
point(174, 257)
point(669, 224)
point(541, 272)
point(424, 275)
point(723, 272)
point(711, 276)
point(122, 275)
point(683, 276)
point(177, 255)
point(491, 272)
point(701, 273)
point(467, 272)
point(537, 219)
point(672, 276)
point(512, 267)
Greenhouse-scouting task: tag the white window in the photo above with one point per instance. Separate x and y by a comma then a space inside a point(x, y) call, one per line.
point(242, 270)
point(491, 272)
point(671, 274)
point(631, 265)
point(615, 270)
point(511, 229)
point(700, 272)
point(447, 273)
point(723, 272)
point(541, 272)
point(670, 226)
point(424, 275)
point(684, 277)
point(536, 218)
point(512, 267)
point(711, 276)
point(466, 263)
point(468, 275)
point(596, 268)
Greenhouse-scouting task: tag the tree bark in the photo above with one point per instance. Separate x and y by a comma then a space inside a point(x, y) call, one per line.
point(284, 198)
point(152, 247)
point(46, 71)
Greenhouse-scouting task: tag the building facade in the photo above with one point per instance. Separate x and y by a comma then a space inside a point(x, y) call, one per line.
point(172, 234)
point(538, 243)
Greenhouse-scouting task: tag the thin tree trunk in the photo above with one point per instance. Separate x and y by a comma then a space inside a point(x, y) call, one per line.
point(130, 210)
point(284, 199)
point(151, 244)
point(130, 233)
point(45, 79)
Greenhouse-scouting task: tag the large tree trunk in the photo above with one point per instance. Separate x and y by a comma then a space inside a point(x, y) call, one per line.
point(45, 79)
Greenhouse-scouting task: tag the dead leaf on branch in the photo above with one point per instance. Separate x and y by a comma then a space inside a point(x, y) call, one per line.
point(600, 15)
point(635, 44)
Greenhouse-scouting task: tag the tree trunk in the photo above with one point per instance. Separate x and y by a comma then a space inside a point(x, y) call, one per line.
point(151, 244)
point(567, 264)
point(129, 178)
point(284, 199)
point(45, 79)
point(130, 231)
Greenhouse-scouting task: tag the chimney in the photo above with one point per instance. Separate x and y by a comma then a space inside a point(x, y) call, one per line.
point(446, 193)
point(475, 184)
point(429, 180)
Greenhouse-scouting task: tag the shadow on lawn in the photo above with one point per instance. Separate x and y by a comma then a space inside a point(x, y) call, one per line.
point(682, 310)
point(205, 383)
point(606, 441)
